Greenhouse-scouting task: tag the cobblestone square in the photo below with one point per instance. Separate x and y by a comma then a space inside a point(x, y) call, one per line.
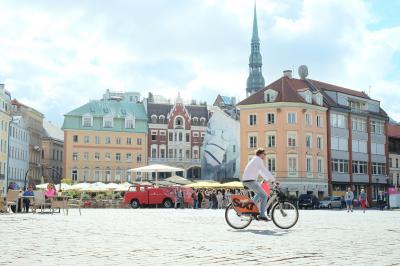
point(194, 237)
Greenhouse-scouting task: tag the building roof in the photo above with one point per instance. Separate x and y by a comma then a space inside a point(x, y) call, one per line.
point(100, 108)
point(326, 86)
point(52, 131)
point(163, 109)
point(394, 131)
point(284, 86)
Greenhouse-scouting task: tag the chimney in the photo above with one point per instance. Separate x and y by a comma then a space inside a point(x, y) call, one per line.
point(287, 73)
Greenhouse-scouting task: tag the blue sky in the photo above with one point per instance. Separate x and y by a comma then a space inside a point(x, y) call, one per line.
point(56, 55)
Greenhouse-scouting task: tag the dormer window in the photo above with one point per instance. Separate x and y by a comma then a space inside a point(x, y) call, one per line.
point(195, 121)
point(179, 122)
point(270, 96)
point(162, 119)
point(153, 119)
point(108, 121)
point(318, 99)
point(87, 121)
point(308, 97)
point(130, 122)
point(203, 121)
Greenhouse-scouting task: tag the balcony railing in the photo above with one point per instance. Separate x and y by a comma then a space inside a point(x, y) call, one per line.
point(174, 160)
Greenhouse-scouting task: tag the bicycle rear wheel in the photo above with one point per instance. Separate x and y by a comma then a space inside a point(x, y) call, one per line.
point(284, 214)
point(237, 220)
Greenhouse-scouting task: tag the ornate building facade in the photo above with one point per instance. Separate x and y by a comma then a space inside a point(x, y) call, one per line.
point(175, 135)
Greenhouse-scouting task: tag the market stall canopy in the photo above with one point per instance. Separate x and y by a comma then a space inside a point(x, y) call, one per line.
point(234, 184)
point(79, 186)
point(42, 186)
point(112, 186)
point(62, 186)
point(204, 185)
point(178, 180)
point(155, 168)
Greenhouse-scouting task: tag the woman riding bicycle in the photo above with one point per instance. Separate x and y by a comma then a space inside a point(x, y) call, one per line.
point(254, 168)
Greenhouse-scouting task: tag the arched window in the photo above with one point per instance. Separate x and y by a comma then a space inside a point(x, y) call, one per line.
point(195, 121)
point(203, 121)
point(179, 122)
point(161, 119)
point(153, 119)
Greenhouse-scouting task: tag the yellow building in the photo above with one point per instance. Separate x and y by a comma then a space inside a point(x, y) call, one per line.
point(104, 139)
point(288, 119)
point(5, 118)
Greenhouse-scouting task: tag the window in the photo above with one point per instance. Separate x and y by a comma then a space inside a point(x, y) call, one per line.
point(154, 135)
point(309, 141)
point(85, 174)
point(308, 97)
point(318, 99)
point(377, 127)
point(181, 136)
point(308, 119)
point(97, 156)
point(252, 141)
point(153, 152)
point(75, 156)
point(377, 148)
point(319, 142)
point(171, 136)
point(338, 120)
point(139, 141)
point(340, 166)
point(162, 153)
point(87, 121)
point(97, 139)
point(359, 146)
point(85, 156)
point(86, 139)
point(108, 140)
point(359, 124)
point(390, 162)
point(378, 169)
point(319, 121)
point(74, 175)
point(75, 138)
point(270, 118)
point(107, 156)
point(292, 139)
point(292, 165)
point(309, 165)
point(187, 137)
point(97, 174)
point(291, 118)
point(271, 140)
point(108, 121)
point(139, 158)
point(359, 167)
point(170, 153)
point(320, 166)
point(118, 157)
point(179, 122)
point(129, 141)
point(129, 123)
point(340, 144)
point(271, 164)
point(252, 120)
point(118, 140)
point(153, 119)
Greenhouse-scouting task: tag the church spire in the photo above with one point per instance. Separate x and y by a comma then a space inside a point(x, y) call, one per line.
point(255, 81)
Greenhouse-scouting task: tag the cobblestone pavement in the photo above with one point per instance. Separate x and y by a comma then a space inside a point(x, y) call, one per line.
point(193, 237)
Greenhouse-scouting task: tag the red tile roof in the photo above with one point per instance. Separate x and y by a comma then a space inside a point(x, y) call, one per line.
point(288, 88)
point(394, 131)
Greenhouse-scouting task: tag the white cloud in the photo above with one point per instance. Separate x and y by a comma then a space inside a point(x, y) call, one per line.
point(57, 55)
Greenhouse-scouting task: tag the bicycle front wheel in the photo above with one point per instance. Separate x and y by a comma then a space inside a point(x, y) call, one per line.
point(237, 220)
point(284, 214)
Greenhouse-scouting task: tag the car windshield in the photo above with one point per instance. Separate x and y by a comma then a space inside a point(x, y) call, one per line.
point(304, 196)
point(327, 198)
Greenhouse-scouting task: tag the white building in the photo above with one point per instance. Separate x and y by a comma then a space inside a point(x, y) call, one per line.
point(18, 161)
point(5, 107)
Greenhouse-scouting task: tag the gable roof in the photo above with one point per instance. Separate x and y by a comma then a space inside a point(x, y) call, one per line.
point(163, 109)
point(394, 131)
point(52, 131)
point(330, 87)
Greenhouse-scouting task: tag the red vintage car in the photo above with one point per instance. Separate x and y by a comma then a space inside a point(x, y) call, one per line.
point(140, 196)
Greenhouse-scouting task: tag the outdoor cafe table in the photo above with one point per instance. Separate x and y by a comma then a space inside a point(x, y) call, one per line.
point(60, 202)
point(21, 202)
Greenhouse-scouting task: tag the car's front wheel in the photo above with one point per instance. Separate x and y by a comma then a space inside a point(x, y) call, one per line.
point(167, 203)
point(329, 206)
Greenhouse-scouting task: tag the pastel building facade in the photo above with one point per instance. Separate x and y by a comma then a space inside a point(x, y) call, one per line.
point(5, 119)
point(18, 161)
point(105, 138)
point(394, 155)
point(52, 152)
point(290, 122)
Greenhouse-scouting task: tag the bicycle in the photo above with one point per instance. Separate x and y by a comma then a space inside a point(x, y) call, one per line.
point(243, 210)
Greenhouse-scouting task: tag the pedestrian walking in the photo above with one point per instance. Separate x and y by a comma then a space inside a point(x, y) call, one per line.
point(182, 198)
point(199, 198)
point(177, 198)
point(349, 197)
point(381, 201)
point(362, 198)
point(219, 199)
point(194, 197)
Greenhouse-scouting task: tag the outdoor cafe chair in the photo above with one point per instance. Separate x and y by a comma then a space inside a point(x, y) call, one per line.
point(77, 203)
point(40, 201)
point(12, 199)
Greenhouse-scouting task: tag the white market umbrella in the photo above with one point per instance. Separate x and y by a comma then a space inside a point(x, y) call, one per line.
point(157, 168)
point(42, 186)
point(112, 186)
point(63, 186)
point(79, 186)
point(178, 180)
